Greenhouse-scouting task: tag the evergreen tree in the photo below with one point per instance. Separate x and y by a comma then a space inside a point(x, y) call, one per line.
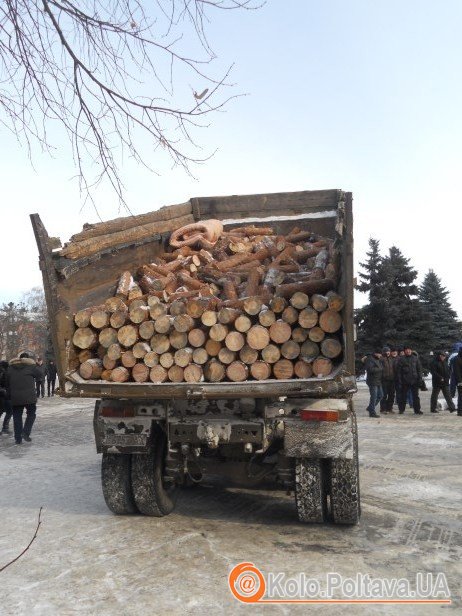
point(442, 328)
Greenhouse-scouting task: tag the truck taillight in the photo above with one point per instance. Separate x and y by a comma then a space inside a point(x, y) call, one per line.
point(118, 411)
point(310, 415)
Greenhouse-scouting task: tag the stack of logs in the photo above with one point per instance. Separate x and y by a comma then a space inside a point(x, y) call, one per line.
point(258, 306)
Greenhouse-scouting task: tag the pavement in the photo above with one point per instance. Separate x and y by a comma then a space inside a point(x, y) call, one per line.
point(85, 560)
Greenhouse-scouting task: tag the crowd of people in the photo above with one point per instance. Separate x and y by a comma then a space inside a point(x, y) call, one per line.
point(396, 376)
point(22, 382)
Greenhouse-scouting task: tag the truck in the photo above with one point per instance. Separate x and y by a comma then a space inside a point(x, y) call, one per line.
point(157, 438)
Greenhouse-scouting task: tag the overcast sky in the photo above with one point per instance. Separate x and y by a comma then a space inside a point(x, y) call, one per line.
point(358, 95)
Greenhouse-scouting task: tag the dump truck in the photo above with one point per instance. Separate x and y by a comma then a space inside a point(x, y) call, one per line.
point(157, 438)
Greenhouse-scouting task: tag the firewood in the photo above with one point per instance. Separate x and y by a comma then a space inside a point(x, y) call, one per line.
point(242, 323)
point(137, 303)
point(331, 272)
point(248, 355)
point(139, 314)
point(266, 317)
point(196, 337)
point(290, 315)
point(319, 302)
point(212, 347)
point(280, 332)
point(193, 374)
point(157, 310)
point(113, 304)
point(335, 301)
point(196, 306)
point(120, 374)
point(300, 236)
point(84, 355)
point(146, 330)
point(177, 307)
point(309, 351)
point(85, 338)
point(331, 347)
point(100, 351)
point(82, 317)
point(114, 351)
point(127, 335)
point(273, 277)
point(252, 230)
point(124, 285)
point(127, 359)
point(183, 323)
point(151, 359)
point(227, 316)
point(290, 349)
point(106, 375)
point(158, 374)
point(283, 369)
point(299, 300)
point(308, 317)
point(253, 282)
point(108, 363)
point(226, 356)
point(134, 292)
point(178, 340)
point(260, 370)
point(322, 366)
point(278, 304)
point(201, 356)
point(99, 319)
point(166, 360)
point(299, 334)
point(140, 349)
point(107, 336)
point(190, 283)
point(330, 321)
point(271, 354)
point(160, 343)
point(152, 300)
point(214, 371)
point(176, 374)
point(91, 369)
point(237, 371)
point(316, 334)
point(209, 318)
point(310, 287)
point(252, 305)
point(302, 369)
point(229, 290)
point(218, 332)
point(140, 373)
point(118, 319)
point(163, 325)
point(183, 357)
point(234, 341)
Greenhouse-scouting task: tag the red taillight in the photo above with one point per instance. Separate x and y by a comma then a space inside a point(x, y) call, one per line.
point(309, 415)
point(118, 411)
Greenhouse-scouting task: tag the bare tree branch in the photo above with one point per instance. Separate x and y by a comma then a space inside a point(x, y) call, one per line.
point(39, 521)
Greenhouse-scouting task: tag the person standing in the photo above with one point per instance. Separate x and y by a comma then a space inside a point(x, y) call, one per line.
point(40, 384)
point(22, 375)
point(374, 370)
point(440, 381)
point(51, 373)
point(457, 367)
point(388, 381)
point(5, 402)
point(409, 371)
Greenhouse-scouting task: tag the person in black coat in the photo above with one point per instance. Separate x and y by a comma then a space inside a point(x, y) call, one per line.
point(22, 375)
point(409, 373)
point(388, 381)
point(374, 371)
point(5, 402)
point(40, 384)
point(51, 373)
point(457, 367)
point(440, 381)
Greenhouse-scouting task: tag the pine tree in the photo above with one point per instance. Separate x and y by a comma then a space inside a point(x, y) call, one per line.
point(442, 328)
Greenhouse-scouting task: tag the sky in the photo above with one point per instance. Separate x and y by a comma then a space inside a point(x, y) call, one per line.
point(357, 95)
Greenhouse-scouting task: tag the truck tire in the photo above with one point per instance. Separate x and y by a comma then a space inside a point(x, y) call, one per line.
point(310, 493)
point(149, 490)
point(116, 483)
point(345, 498)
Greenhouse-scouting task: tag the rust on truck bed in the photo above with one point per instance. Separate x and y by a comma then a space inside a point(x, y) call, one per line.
point(71, 285)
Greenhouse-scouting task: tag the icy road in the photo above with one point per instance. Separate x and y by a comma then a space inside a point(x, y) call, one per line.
point(87, 561)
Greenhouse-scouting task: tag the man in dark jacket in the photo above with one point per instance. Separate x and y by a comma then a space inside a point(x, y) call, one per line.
point(409, 372)
point(40, 384)
point(374, 370)
point(457, 367)
point(22, 376)
point(51, 377)
point(440, 381)
point(5, 402)
point(388, 381)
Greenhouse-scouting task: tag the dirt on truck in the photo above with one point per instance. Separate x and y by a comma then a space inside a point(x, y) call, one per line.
point(228, 353)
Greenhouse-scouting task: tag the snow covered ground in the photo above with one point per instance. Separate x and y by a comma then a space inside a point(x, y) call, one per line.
point(87, 561)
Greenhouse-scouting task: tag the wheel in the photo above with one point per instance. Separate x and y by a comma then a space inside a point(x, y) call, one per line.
point(116, 483)
point(344, 479)
point(310, 493)
point(152, 495)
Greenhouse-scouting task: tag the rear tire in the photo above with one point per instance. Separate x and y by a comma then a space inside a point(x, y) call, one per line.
point(116, 483)
point(152, 496)
point(310, 493)
point(344, 479)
